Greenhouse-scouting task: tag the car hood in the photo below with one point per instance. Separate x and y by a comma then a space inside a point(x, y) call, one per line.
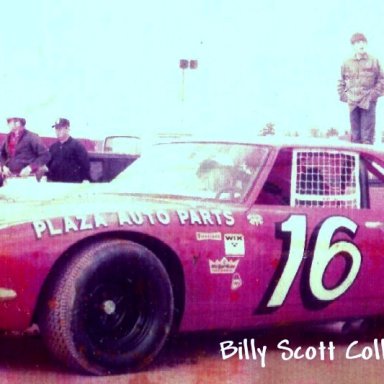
point(59, 200)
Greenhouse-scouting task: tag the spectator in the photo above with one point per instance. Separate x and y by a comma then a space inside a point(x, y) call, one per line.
point(69, 159)
point(22, 153)
point(361, 84)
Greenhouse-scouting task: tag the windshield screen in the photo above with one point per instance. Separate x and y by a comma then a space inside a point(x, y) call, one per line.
point(197, 170)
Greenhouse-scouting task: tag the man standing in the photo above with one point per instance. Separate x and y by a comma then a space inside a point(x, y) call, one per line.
point(361, 84)
point(22, 153)
point(69, 159)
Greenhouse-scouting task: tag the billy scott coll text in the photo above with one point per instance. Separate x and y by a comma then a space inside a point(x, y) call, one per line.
point(249, 350)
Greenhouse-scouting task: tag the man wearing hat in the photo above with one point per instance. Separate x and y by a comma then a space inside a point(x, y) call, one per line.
point(360, 85)
point(69, 159)
point(22, 153)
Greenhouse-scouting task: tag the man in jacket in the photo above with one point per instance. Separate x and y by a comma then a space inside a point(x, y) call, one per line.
point(22, 153)
point(69, 159)
point(360, 85)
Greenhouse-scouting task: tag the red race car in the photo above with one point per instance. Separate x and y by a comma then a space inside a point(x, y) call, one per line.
point(194, 236)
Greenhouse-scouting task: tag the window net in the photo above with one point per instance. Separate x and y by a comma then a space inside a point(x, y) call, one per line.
point(325, 178)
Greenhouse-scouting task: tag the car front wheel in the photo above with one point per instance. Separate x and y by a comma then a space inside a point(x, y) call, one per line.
point(109, 310)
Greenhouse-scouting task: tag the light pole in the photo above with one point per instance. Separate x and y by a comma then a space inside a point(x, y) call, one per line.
point(183, 65)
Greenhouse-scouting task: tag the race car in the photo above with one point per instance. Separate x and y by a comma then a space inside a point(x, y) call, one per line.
point(194, 235)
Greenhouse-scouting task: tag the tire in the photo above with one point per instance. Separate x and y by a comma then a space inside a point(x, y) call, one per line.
point(110, 310)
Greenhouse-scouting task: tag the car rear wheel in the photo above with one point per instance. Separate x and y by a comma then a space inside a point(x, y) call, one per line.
point(110, 310)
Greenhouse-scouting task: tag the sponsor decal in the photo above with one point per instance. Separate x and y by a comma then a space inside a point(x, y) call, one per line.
point(201, 217)
point(201, 236)
point(205, 217)
point(234, 244)
point(222, 266)
point(68, 224)
point(255, 219)
point(237, 282)
point(141, 218)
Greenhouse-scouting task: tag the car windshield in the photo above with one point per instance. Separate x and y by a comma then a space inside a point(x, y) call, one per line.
point(197, 170)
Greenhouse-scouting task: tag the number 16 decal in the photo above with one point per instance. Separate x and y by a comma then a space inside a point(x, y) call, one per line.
point(293, 231)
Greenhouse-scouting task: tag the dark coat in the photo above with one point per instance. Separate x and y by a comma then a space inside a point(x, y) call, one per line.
point(69, 162)
point(29, 150)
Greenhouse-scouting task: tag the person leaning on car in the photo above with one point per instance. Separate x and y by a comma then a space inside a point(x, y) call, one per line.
point(69, 159)
point(22, 153)
point(360, 85)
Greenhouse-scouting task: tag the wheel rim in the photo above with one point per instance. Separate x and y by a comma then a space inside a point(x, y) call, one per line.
point(117, 312)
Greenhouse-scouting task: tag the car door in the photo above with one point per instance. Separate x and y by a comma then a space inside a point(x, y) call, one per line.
point(313, 241)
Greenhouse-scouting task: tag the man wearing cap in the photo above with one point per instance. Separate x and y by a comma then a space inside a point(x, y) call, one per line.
point(22, 153)
point(69, 159)
point(360, 85)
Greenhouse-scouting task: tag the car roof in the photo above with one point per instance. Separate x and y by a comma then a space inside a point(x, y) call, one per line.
point(284, 142)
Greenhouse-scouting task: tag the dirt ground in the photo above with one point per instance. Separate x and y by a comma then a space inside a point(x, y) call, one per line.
point(196, 358)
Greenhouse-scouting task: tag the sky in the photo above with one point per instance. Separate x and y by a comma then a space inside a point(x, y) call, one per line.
point(112, 67)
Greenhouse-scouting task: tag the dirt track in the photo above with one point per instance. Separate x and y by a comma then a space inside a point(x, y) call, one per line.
point(196, 358)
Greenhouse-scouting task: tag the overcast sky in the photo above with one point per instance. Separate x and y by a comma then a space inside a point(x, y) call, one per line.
point(112, 67)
